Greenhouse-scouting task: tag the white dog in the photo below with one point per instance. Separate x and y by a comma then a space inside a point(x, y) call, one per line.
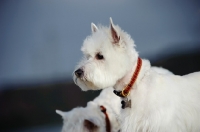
point(159, 102)
point(100, 115)
point(91, 118)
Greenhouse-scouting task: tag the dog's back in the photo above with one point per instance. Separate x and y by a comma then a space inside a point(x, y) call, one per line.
point(194, 77)
point(166, 103)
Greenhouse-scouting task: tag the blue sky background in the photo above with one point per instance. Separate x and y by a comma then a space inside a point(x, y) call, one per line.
point(40, 40)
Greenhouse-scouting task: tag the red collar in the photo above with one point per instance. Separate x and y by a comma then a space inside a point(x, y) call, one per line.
point(126, 91)
point(108, 126)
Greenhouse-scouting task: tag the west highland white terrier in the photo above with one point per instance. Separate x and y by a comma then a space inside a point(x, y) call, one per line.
point(90, 119)
point(100, 115)
point(159, 102)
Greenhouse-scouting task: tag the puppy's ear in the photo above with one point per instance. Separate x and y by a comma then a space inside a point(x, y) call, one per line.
point(90, 125)
point(114, 34)
point(94, 28)
point(61, 113)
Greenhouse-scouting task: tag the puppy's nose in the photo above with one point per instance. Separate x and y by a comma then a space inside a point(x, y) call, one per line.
point(79, 73)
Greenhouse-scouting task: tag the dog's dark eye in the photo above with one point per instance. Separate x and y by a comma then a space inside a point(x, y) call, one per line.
point(99, 56)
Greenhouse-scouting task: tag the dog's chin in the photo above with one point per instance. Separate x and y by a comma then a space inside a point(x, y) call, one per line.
point(86, 85)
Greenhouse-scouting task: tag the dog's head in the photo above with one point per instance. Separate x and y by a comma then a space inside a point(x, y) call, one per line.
point(89, 119)
point(108, 56)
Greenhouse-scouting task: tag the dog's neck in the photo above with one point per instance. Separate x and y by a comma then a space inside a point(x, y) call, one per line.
point(123, 82)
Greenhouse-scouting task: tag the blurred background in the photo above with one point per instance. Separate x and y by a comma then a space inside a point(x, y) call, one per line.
point(40, 44)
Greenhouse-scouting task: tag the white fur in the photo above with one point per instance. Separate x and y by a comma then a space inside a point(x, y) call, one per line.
point(74, 119)
point(161, 70)
point(159, 102)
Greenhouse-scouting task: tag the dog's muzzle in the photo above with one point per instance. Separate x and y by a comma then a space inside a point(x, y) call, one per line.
point(79, 73)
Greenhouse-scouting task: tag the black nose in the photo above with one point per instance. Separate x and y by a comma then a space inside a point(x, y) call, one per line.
point(79, 73)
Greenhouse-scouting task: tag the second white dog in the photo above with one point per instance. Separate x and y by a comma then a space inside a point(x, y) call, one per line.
point(100, 115)
point(159, 103)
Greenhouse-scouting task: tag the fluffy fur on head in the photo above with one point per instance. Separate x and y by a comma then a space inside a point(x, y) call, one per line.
point(159, 102)
point(112, 44)
point(90, 118)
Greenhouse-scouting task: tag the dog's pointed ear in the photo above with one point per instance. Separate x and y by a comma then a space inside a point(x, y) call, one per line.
point(114, 34)
point(61, 113)
point(90, 125)
point(93, 28)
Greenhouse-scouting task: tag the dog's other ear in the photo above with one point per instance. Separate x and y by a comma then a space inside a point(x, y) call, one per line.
point(114, 34)
point(90, 125)
point(94, 28)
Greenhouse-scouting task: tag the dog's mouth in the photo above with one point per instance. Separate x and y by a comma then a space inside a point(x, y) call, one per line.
point(76, 79)
point(84, 81)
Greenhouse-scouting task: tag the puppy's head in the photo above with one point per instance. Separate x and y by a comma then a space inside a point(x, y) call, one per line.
point(108, 56)
point(83, 120)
